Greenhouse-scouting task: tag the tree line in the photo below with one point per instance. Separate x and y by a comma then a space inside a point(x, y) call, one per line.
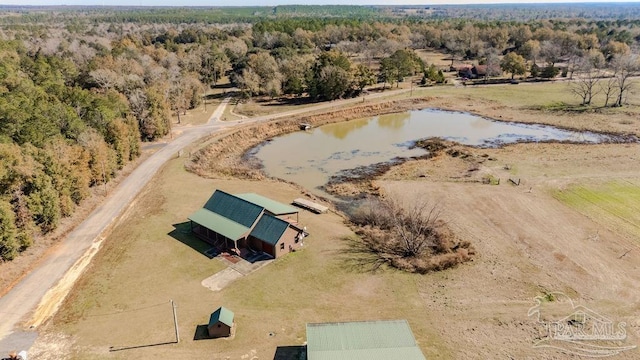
point(621, 12)
point(77, 95)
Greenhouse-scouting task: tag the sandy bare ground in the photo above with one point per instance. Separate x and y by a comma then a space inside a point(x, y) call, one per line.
point(528, 243)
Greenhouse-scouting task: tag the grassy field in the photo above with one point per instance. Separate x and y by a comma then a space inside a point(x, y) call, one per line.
point(123, 299)
point(614, 204)
point(140, 267)
point(230, 112)
point(266, 106)
point(201, 114)
point(439, 59)
point(532, 95)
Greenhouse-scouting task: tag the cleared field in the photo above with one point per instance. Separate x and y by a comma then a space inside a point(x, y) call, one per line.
point(201, 114)
point(528, 243)
point(266, 106)
point(530, 95)
point(439, 59)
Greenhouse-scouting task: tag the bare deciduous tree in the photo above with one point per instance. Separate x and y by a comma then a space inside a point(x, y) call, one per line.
point(551, 52)
point(608, 88)
point(585, 83)
point(412, 238)
point(625, 66)
point(106, 78)
point(248, 82)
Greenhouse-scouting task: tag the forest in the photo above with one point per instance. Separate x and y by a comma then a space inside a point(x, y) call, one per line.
point(81, 88)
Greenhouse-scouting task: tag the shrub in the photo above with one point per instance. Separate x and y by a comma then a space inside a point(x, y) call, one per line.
point(549, 72)
point(413, 239)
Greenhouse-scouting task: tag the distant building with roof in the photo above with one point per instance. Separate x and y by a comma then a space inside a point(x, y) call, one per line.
point(248, 223)
point(220, 323)
point(362, 340)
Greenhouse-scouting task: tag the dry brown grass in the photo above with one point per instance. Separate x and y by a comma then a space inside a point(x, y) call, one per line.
point(438, 58)
point(122, 300)
point(460, 313)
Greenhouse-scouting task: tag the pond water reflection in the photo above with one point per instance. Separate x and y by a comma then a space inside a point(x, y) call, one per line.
point(309, 158)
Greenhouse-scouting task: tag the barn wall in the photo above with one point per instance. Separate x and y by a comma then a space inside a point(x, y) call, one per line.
point(287, 242)
point(268, 248)
point(219, 330)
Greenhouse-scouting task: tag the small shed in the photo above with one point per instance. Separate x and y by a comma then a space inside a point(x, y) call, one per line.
point(220, 323)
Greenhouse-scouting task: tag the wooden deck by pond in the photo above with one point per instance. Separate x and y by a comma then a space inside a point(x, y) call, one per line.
point(310, 205)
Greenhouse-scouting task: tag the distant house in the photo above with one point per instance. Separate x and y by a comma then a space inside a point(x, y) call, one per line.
point(371, 340)
point(464, 71)
point(480, 71)
point(220, 323)
point(248, 222)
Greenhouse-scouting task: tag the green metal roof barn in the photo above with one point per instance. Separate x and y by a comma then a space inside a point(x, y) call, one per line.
point(362, 340)
point(248, 223)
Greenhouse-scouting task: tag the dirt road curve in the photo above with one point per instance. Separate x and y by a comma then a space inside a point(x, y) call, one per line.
point(37, 296)
point(46, 286)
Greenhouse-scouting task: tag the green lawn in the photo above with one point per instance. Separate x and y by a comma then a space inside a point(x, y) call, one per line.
point(616, 203)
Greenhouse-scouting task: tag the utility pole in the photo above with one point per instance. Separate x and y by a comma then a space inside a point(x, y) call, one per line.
point(175, 321)
point(411, 86)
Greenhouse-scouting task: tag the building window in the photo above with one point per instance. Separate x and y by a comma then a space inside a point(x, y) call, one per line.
point(281, 246)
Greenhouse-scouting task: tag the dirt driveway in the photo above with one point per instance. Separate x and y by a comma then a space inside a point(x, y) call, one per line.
point(39, 294)
point(528, 244)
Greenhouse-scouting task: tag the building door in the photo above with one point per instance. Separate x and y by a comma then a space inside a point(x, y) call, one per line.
point(268, 248)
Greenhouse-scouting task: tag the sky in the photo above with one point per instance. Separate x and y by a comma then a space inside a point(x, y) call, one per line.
point(278, 2)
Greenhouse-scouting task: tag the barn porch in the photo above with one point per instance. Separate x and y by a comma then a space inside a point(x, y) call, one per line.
point(251, 249)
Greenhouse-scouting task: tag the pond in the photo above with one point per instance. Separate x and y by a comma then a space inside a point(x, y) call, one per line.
point(310, 158)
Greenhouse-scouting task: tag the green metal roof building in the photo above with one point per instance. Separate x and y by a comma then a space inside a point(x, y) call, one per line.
point(269, 229)
point(233, 208)
point(274, 207)
point(220, 322)
point(247, 221)
point(362, 340)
